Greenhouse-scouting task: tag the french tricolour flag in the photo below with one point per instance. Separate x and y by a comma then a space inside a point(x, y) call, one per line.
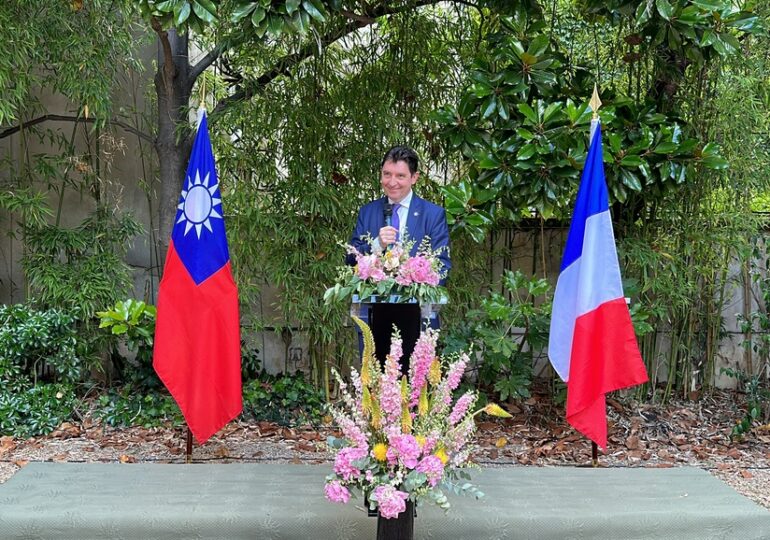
point(197, 352)
point(592, 343)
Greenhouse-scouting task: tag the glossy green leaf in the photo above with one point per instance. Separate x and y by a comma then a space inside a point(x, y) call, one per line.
point(538, 45)
point(527, 111)
point(715, 162)
point(258, 16)
point(526, 152)
point(666, 147)
point(292, 6)
point(242, 11)
point(665, 9)
point(714, 5)
point(489, 107)
point(313, 10)
point(630, 179)
point(642, 13)
point(202, 12)
point(182, 15)
point(631, 161)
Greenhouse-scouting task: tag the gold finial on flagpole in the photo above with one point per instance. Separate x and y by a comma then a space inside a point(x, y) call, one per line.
point(202, 103)
point(595, 103)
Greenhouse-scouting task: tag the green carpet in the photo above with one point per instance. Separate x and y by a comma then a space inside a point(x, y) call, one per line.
point(259, 501)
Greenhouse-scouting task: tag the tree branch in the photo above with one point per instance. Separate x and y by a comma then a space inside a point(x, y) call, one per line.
point(62, 118)
point(203, 63)
point(284, 65)
point(168, 56)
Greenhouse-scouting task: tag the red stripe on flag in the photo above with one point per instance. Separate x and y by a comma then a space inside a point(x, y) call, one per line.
point(197, 351)
point(605, 357)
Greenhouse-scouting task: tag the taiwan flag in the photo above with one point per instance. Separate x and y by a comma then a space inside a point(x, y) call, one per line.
point(197, 351)
point(592, 344)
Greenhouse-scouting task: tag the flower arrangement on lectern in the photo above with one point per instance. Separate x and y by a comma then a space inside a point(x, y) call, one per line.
point(404, 439)
point(391, 274)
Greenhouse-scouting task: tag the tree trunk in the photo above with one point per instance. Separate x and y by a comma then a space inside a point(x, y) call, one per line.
point(173, 87)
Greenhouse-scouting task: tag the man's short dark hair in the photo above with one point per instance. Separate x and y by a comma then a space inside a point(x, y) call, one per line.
point(402, 153)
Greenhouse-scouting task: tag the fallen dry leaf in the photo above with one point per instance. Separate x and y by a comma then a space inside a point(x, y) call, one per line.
point(746, 474)
point(501, 442)
point(222, 451)
point(127, 459)
point(632, 443)
point(6, 444)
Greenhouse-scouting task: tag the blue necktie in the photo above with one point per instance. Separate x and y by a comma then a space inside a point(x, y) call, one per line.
point(395, 221)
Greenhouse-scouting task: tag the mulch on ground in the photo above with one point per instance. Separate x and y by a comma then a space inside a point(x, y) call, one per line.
point(681, 433)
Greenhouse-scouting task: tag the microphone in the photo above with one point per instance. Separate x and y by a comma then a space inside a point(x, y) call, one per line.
point(388, 212)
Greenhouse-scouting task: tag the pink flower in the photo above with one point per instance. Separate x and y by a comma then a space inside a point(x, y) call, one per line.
point(390, 501)
point(368, 267)
point(390, 386)
point(422, 357)
point(404, 448)
point(417, 269)
point(352, 432)
point(454, 377)
point(336, 492)
point(343, 463)
point(430, 444)
point(461, 407)
point(433, 469)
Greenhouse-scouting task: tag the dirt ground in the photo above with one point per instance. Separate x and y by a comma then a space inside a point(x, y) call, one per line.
point(682, 433)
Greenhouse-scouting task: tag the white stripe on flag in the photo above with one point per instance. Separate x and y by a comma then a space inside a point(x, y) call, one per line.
point(592, 280)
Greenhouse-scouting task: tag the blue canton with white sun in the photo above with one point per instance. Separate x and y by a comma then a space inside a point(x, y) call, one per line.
point(199, 232)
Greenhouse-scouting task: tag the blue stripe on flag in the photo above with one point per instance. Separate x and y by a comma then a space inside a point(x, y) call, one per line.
point(199, 231)
point(592, 198)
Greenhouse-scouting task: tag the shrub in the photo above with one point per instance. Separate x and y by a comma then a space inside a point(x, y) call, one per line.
point(127, 407)
point(285, 399)
point(507, 355)
point(37, 411)
point(37, 345)
point(132, 322)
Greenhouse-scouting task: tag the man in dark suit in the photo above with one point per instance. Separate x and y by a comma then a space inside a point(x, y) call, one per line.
point(413, 218)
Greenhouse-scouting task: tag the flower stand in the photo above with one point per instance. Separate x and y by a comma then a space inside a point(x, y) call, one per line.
point(398, 528)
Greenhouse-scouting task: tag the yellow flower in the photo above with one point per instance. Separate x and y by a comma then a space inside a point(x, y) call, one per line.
point(434, 373)
point(406, 419)
point(366, 378)
point(380, 451)
point(366, 400)
point(494, 409)
point(441, 454)
point(376, 414)
point(420, 440)
point(422, 404)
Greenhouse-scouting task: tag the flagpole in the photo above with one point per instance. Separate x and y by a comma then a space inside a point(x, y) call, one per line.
point(201, 110)
point(595, 103)
point(188, 454)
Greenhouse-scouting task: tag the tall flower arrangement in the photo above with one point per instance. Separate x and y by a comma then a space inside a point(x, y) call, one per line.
point(404, 438)
point(391, 272)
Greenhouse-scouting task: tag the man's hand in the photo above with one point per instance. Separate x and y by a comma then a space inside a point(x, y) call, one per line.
point(387, 236)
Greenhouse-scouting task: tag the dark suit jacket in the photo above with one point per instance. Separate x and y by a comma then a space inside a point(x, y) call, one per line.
point(425, 219)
